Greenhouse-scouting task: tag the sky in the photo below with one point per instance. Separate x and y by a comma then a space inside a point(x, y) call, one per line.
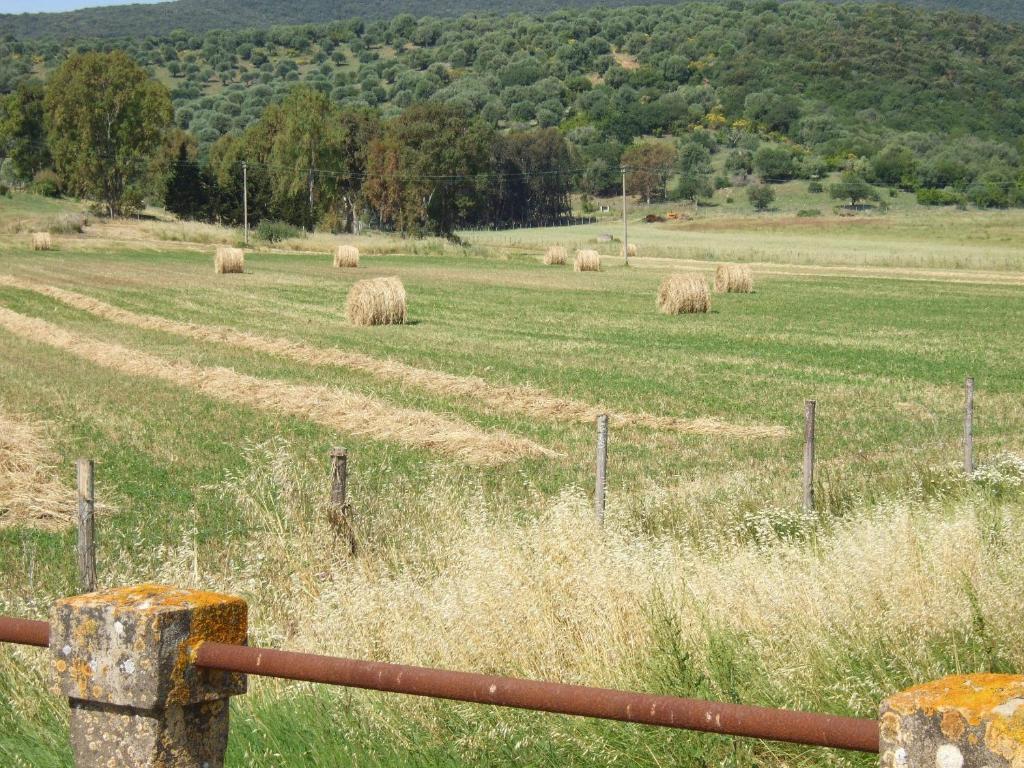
point(38, 6)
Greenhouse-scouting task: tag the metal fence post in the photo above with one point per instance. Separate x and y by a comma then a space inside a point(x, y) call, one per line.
point(86, 525)
point(123, 658)
point(602, 467)
point(969, 426)
point(809, 410)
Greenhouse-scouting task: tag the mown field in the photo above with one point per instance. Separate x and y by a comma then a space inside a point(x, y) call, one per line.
point(472, 492)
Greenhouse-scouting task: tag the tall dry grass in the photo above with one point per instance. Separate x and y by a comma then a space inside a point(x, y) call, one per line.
point(346, 411)
point(511, 399)
point(810, 613)
point(31, 493)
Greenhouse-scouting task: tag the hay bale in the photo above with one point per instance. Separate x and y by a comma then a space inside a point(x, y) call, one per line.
point(587, 261)
point(346, 256)
point(555, 255)
point(631, 251)
point(41, 241)
point(377, 301)
point(229, 260)
point(681, 294)
point(733, 278)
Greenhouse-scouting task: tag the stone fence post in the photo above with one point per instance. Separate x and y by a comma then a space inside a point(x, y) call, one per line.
point(123, 659)
point(967, 721)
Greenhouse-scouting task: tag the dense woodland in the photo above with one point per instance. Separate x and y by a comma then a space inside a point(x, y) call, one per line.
point(197, 16)
point(430, 123)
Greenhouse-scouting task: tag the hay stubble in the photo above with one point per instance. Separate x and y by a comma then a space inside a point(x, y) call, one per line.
point(333, 407)
point(529, 401)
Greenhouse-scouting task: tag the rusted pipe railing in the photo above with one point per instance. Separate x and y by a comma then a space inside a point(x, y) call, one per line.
point(24, 632)
point(806, 728)
point(692, 714)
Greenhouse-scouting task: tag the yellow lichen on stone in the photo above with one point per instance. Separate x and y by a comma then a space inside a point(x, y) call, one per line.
point(972, 697)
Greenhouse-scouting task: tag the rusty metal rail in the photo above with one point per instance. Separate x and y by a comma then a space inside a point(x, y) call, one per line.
point(806, 728)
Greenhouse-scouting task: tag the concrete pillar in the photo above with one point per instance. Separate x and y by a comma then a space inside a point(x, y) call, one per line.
point(967, 721)
point(123, 659)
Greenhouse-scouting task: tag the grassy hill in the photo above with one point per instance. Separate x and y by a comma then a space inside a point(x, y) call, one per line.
point(194, 16)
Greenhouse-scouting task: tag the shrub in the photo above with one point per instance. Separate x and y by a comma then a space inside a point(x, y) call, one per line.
point(46, 183)
point(808, 212)
point(67, 224)
point(275, 231)
point(761, 196)
point(926, 196)
point(816, 187)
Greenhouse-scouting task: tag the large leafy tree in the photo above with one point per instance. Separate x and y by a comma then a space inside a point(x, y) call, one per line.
point(428, 171)
point(105, 118)
point(649, 164)
point(22, 134)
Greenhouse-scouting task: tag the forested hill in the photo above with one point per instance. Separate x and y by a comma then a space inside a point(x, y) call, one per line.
point(195, 16)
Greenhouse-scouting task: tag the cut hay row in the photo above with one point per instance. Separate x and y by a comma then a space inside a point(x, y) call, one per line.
point(229, 261)
point(346, 256)
point(41, 241)
point(683, 294)
point(733, 278)
point(335, 408)
point(30, 493)
point(555, 254)
point(529, 401)
point(587, 261)
point(377, 301)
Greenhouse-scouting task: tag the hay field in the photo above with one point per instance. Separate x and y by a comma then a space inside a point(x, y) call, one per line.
point(708, 580)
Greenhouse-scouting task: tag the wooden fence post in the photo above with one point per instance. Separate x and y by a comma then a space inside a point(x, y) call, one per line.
point(86, 526)
point(341, 512)
point(602, 467)
point(969, 426)
point(809, 408)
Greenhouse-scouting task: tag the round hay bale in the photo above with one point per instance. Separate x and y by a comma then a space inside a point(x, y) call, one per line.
point(555, 254)
point(682, 294)
point(346, 256)
point(630, 251)
point(229, 260)
point(733, 278)
point(41, 241)
point(587, 261)
point(377, 301)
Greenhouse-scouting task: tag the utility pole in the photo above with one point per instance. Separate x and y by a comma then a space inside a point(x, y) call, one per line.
point(625, 226)
point(245, 199)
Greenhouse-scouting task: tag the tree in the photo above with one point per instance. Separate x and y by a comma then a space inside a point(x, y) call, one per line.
point(760, 196)
point(22, 131)
point(186, 193)
point(853, 187)
point(894, 165)
point(104, 117)
point(774, 163)
point(694, 171)
point(427, 171)
point(648, 167)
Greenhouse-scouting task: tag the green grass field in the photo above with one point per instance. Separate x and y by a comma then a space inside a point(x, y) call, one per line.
point(708, 579)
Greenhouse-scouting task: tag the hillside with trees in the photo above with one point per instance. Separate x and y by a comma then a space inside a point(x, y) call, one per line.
point(431, 124)
point(198, 16)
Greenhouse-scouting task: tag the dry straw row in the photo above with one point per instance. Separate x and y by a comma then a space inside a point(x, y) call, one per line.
point(336, 408)
point(532, 402)
point(30, 493)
